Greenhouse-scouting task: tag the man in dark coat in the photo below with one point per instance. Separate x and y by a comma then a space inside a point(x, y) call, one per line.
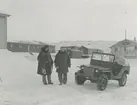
point(45, 64)
point(62, 62)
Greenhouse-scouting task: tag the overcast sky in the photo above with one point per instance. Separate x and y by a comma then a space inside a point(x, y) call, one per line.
point(57, 20)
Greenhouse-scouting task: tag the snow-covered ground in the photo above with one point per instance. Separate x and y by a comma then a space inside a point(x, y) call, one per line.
point(20, 85)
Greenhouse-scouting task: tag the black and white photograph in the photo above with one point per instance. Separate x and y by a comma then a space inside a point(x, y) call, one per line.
point(68, 52)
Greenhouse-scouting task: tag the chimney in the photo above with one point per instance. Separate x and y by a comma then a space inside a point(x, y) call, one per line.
point(134, 39)
point(125, 34)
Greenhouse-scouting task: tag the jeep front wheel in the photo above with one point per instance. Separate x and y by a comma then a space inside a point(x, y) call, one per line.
point(79, 80)
point(122, 81)
point(102, 82)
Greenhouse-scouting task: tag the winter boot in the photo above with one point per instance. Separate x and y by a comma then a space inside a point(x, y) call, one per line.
point(44, 80)
point(49, 80)
point(60, 83)
point(60, 78)
point(64, 78)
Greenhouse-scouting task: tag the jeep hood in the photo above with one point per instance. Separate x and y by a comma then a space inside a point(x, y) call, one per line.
point(97, 67)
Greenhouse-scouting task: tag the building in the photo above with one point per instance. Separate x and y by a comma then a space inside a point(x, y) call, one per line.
point(3, 30)
point(95, 50)
point(71, 47)
point(24, 46)
point(126, 48)
point(73, 51)
point(75, 54)
point(82, 51)
point(88, 50)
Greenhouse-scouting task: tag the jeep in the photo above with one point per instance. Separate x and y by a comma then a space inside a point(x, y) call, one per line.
point(103, 67)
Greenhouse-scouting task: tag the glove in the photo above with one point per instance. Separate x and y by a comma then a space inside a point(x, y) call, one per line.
point(44, 71)
point(51, 67)
point(57, 67)
point(69, 66)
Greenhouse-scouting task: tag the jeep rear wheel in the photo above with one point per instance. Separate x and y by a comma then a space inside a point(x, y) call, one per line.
point(102, 82)
point(79, 80)
point(122, 81)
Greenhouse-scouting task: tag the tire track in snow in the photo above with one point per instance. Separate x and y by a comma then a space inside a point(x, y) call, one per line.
point(72, 100)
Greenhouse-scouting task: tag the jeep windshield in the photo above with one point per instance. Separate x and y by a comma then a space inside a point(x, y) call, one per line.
point(103, 57)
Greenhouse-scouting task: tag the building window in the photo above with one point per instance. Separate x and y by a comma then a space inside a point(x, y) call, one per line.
point(11, 45)
point(125, 49)
point(20, 46)
point(126, 43)
point(135, 47)
point(130, 49)
point(29, 46)
point(116, 49)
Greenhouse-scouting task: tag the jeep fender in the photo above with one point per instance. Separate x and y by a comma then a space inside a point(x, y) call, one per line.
point(78, 73)
point(125, 69)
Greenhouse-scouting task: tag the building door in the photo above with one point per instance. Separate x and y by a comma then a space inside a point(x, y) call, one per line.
point(3, 34)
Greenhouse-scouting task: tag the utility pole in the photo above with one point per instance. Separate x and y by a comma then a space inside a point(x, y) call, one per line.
point(125, 34)
point(125, 25)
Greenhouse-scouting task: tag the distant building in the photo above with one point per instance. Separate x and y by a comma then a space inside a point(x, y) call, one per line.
point(23, 46)
point(84, 50)
point(76, 54)
point(80, 51)
point(3, 30)
point(71, 47)
point(126, 48)
point(88, 50)
point(73, 51)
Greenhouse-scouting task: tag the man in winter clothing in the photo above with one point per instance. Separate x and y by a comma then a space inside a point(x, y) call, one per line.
point(62, 62)
point(45, 64)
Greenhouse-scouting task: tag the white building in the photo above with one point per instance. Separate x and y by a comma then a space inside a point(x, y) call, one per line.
point(3, 30)
point(126, 48)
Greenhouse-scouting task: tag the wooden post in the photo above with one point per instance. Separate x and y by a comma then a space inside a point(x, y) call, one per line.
point(125, 34)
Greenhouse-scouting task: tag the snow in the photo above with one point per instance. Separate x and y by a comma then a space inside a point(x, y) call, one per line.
point(20, 85)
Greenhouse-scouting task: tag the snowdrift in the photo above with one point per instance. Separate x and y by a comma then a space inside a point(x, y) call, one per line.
point(21, 85)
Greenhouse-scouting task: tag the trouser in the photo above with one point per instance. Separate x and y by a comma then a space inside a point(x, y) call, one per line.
point(62, 78)
point(45, 79)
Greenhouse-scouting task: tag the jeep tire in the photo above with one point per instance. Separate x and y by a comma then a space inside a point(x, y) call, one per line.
point(122, 81)
point(79, 80)
point(102, 82)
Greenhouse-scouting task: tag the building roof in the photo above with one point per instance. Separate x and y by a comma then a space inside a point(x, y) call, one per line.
point(90, 47)
point(5, 15)
point(29, 42)
point(70, 46)
point(76, 50)
point(125, 42)
point(87, 47)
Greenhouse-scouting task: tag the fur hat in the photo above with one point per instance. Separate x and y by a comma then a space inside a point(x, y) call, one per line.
point(46, 46)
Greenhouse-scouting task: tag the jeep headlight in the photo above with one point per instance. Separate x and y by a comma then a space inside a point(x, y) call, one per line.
point(81, 67)
point(96, 70)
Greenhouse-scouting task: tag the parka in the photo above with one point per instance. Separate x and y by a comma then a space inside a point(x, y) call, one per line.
point(62, 62)
point(44, 62)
